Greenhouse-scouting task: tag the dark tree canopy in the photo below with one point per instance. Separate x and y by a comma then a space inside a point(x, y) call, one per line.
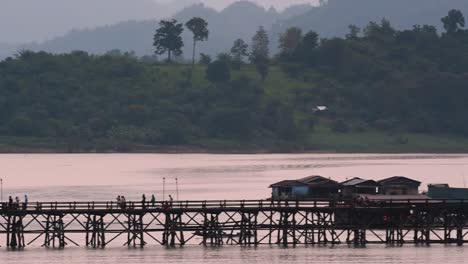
point(260, 47)
point(199, 28)
point(454, 21)
point(290, 41)
point(168, 38)
point(205, 59)
point(218, 72)
point(260, 53)
point(239, 51)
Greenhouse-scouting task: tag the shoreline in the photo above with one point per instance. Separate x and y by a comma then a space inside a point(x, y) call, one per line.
point(197, 150)
point(321, 142)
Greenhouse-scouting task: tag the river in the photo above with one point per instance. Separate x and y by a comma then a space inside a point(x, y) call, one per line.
point(57, 177)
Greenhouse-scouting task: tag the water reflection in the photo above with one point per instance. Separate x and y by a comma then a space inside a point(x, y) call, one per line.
point(236, 255)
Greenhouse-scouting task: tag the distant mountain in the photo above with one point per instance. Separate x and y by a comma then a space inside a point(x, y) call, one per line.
point(40, 20)
point(239, 20)
point(333, 17)
point(125, 36)
point(242, 19)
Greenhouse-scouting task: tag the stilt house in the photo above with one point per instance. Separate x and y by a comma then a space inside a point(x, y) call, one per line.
point(308, 187)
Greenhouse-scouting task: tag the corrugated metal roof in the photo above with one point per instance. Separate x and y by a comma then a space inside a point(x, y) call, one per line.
point(358, 181)
point(288, 183)
point(307, 181)
point(353, 181)
point(316, 180)
point(397, 178)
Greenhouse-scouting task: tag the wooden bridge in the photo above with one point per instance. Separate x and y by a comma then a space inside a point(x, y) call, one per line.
point(215, 223)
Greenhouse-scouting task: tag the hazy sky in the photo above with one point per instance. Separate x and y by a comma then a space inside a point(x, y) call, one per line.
point(38, 20)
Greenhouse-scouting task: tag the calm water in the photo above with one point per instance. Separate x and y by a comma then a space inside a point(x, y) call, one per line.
point(212, 177)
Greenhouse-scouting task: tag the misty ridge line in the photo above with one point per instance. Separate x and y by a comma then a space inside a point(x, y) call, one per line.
point(27, 21)
point(101, 39)
point(241, 19)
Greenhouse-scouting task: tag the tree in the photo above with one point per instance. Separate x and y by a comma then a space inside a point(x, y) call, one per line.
point(263, 67)
point(238, 51)
point(168, 38)
point(199, 28)
point(260, 52)
point(205, 59)
point(453, 21)
point(311, 40)
point(290, 41)
point(224, 56)
point(218, 72)
point(307, 50)
point(260, 45)
point(383, 32)
point(353, 32)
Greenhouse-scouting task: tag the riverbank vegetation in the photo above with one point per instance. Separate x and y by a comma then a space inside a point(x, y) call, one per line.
point(376, 90)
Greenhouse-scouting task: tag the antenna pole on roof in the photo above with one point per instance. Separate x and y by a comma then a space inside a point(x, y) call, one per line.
point(164, 188)
point(177, 188)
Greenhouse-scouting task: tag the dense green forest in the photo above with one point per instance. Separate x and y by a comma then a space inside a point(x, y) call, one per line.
point(383, 89)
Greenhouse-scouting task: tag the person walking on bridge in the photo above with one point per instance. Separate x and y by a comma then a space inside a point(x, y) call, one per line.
point(123, 202)
point(119, 202)
point(170, 200)
point(153, 200)
point(25, 203)
point(143, 201)
point(17, 202)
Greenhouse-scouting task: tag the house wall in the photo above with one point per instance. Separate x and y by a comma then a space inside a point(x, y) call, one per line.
point(350, 191)
point(320, 192)
point(447, 193)
point(275, 192)
point(400, 190)
point(289, 192)
point(300, 191)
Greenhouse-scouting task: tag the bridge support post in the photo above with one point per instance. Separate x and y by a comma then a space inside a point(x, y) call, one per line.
point(15, 232)
point(95, 231)
point(248, 229)
point(135, 230)
point(283, 231)
point(356, 237)
point(54, 232)
point(394, 236)
point(211, 231)
point(460, 224)
point(173, 232)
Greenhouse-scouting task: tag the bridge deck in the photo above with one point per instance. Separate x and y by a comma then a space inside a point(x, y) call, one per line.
point(246, 222)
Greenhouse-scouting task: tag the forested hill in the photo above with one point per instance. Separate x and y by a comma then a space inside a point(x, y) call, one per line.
point(382, 89)
point(332, 19)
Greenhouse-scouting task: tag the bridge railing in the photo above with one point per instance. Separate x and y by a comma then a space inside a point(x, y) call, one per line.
point(110, 205)
point(222, 204)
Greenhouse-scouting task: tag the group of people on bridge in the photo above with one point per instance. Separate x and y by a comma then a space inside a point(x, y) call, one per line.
point(16, 203)
point(122, 202)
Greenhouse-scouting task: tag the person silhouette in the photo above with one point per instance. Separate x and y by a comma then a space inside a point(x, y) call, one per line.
point(170, 200)
point(143, 201)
